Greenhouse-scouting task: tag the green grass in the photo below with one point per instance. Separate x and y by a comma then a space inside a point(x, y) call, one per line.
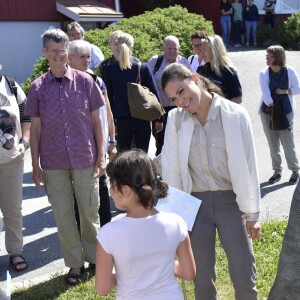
point(266, 251)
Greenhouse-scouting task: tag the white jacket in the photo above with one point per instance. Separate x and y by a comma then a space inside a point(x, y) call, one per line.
point(240, 152)
point(264, 80)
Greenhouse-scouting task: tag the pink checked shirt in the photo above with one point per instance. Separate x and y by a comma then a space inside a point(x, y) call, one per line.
point(67, 136)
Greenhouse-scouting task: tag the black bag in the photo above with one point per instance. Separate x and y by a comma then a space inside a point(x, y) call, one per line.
point(279, 120)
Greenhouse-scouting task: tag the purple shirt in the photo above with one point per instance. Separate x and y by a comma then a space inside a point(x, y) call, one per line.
point(67, 134)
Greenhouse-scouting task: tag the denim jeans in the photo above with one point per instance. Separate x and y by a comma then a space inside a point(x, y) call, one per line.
point(225, 22)
point(251, 25)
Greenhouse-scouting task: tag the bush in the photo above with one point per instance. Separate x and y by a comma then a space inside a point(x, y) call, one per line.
point(148, 30)
point(290, 35)
point(286, 33)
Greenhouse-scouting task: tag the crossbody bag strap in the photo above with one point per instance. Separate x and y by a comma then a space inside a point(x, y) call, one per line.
point(138, 79)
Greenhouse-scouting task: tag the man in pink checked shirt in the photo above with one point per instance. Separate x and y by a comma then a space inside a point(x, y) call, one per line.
point(67, 150)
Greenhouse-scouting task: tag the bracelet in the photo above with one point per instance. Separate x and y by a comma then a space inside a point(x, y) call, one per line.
point(113, 142)
point(26, 144)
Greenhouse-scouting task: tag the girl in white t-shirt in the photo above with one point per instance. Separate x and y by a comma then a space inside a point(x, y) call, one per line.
point(143, 245)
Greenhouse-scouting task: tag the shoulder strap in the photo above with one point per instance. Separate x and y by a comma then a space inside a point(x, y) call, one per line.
point(158, 63)
point(12, 86)
point(192, 59)
point(138, 79)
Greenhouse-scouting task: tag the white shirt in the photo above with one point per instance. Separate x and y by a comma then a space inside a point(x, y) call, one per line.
point(194, 62)
point(144, 251)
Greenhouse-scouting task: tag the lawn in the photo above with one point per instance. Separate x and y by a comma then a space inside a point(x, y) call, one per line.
point(266, 251)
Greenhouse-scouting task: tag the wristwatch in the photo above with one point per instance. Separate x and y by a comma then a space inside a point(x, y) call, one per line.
point(287, 92)
point(26, 144)
point(113, 142)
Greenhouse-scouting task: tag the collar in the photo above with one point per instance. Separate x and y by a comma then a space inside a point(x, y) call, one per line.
point(68, 74)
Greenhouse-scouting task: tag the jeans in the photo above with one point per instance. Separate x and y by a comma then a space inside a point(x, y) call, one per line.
point(237, 32)
point(251, 25)
point(226, 27)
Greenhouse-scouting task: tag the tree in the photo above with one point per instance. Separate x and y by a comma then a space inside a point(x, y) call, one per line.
point(286, 285)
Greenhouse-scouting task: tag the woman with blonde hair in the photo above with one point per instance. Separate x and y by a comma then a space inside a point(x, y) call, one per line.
point(209, 152)
point(116, 75)
point(219, 68)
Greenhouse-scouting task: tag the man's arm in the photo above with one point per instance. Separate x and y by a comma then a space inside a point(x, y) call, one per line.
point(35, 136)
point(100, 164)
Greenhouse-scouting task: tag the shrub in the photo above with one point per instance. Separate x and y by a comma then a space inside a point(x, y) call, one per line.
point(148, 30)
point(290, 35)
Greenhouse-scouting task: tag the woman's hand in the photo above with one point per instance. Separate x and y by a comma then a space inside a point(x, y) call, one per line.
point(253, 229)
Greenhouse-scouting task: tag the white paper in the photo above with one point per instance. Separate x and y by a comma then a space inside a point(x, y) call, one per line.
point(182, 204)
point(8, 285)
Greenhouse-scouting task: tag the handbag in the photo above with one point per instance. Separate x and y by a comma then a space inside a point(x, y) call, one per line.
point(143, 104)
point(279, 120)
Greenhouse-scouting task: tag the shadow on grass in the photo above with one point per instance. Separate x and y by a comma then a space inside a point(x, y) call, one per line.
point(57, 288)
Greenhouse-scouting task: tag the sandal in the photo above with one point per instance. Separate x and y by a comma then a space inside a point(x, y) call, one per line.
point(17, 265)
point(72, 278)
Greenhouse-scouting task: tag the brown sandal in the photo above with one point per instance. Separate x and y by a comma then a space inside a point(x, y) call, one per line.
point(17, 265)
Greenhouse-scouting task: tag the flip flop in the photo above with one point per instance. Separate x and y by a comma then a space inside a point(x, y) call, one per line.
point(16, 265)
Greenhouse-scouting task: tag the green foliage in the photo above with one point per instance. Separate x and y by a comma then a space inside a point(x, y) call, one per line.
point(290, 35)
point(266, 251)
point(40, 68)
point(286, 33)
point(150, 28)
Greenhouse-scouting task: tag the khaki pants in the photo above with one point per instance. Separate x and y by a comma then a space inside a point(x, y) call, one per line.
point(11, 179)
point(60, 187)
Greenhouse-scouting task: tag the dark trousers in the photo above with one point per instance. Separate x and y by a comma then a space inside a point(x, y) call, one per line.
point(104, 208)
point(159, 137)
point(270, 19)
point(131, 129)
point(237, 31)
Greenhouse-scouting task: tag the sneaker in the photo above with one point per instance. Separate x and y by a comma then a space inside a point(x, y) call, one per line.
point(255, 45)
point(294, 178)
point(276, 177)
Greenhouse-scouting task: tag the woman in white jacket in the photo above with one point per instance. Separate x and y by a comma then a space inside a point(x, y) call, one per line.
point(279, 82)
point(209, 152)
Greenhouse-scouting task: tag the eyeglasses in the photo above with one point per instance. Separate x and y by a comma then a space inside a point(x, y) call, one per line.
point(56, 52)
point(197, 45)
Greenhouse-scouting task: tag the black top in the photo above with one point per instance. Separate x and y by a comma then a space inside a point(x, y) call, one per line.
point(228, 81)
point(226, 6)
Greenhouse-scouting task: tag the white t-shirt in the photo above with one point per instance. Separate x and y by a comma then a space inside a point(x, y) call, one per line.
point(10, 128)
point(194, 62)
point(144, 251)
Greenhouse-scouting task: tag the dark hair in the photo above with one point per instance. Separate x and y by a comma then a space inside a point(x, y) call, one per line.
point(199, 34)
point(181, 72)
point(136, 169)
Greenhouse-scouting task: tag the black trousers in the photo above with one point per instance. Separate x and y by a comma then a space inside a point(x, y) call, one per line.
point(160, 136)
point(104, 208)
